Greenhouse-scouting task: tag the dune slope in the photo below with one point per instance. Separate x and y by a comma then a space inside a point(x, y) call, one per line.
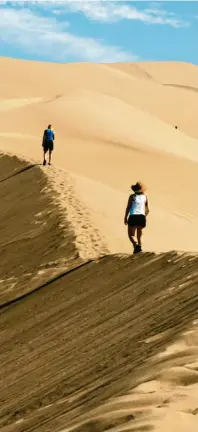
point(92, 335)
point(82, 341)
point(33, 242)
point(114, 125)
point(92, 339)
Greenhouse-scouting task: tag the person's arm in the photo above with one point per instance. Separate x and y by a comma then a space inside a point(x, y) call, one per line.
point(128, 208)
point(147, 210)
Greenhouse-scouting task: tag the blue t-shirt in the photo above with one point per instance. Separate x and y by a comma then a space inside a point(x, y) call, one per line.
point(49, 135)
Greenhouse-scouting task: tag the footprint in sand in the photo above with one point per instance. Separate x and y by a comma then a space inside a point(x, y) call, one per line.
point(88, 239)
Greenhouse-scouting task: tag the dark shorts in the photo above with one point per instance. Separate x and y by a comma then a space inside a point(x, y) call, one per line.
point(48, 145)
point(137, 221)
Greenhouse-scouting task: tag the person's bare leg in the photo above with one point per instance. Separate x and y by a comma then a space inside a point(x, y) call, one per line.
point(50, 156)
point(44, 160)
point(131, 234)
point(139, 236)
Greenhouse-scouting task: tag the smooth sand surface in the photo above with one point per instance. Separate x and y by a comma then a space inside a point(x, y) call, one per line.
point(113, 345)
point(114, 125)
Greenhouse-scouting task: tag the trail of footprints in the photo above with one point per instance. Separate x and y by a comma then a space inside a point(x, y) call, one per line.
point(88, 239)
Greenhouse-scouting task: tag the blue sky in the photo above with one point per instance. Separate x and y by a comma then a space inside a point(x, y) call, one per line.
point(99, 31)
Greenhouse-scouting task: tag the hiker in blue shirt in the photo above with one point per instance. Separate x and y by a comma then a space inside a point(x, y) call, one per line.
point(48, 143)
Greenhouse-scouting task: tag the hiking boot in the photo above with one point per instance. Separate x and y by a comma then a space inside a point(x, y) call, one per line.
point(137, 249)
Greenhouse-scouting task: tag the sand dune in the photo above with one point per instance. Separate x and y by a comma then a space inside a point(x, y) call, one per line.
point(167, 104)
point(89, 345)
point(114, 125)
point(172, 72)
point(35, 244)
point(9, 104)
point(92, 341)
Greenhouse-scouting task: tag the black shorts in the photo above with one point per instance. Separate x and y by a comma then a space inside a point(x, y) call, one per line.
point(48, 145)
point(137, 220)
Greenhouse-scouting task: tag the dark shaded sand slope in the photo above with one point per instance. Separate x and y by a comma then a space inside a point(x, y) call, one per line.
point(32, 242)
point(68, 346)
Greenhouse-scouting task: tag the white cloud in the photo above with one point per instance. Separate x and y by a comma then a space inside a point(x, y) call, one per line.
point(56, 11)
point(112, 11)
point(47, 37)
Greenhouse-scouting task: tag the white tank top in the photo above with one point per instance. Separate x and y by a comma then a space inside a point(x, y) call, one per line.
point(138, 205)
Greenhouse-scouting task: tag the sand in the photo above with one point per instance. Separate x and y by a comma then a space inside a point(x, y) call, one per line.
point(114, 125)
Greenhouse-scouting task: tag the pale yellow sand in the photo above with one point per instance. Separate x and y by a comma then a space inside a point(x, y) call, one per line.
point(165, 400)
point(114, 125)
point(9, 104)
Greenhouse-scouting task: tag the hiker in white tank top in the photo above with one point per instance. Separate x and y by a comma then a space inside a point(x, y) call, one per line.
point(138, 205)
point(137, 209)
